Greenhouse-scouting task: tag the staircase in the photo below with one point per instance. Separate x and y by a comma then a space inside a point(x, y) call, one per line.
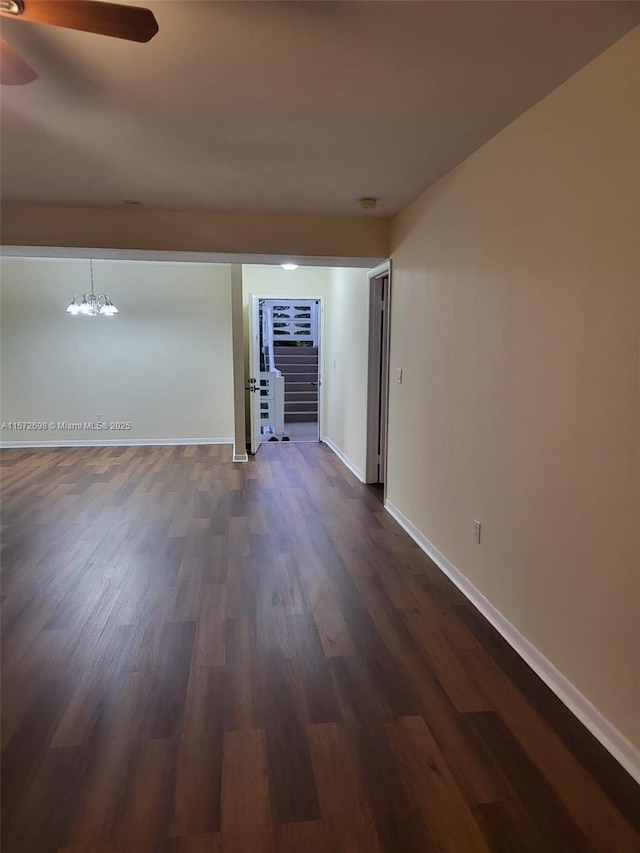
point(299, 366)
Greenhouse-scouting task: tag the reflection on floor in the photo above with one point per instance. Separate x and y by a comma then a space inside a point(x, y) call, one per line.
point(302, 432)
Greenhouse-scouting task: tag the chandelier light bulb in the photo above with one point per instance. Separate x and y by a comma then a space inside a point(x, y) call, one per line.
point(91, 305)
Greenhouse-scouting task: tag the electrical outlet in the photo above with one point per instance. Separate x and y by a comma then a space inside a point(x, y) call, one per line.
point(477, 530)
point(399, 375)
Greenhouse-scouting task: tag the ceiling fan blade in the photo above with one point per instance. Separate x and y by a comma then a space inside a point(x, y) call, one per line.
point(14, 71)
point(107, 19)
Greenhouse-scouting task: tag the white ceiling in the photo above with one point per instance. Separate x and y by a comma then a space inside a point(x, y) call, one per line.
point(284, 107)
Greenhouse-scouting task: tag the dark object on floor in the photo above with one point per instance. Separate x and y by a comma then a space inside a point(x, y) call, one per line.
point(285, 438)
point(274, 438)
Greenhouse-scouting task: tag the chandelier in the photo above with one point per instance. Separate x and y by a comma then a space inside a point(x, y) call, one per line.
point(91, 305)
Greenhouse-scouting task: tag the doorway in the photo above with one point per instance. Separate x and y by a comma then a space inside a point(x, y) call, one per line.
point(285, 355)
point(378, 373)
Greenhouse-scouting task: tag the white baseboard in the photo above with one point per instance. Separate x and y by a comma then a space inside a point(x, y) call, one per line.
point(114, 442)
point(359, 474)
point(241, 457)
point(612, 740)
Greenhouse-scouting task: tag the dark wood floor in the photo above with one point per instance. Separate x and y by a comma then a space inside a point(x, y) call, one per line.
point(207, 657)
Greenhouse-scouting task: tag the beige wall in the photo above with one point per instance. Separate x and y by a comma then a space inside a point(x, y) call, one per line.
point(194, 231)
point(346, 360)
point(515, 318)
point(164, 363)
point(268, 280)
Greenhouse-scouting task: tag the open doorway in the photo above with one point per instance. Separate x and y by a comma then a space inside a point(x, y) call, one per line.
point(378, 373)
point(285, 360)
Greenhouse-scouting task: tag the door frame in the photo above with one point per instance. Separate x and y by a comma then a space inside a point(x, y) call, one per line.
point(378, 376)
point(320, 300)
point(253, 384)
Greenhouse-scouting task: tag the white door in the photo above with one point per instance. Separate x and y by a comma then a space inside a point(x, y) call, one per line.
point(254, 373)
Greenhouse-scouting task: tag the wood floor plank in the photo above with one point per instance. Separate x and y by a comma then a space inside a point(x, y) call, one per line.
point(399, 823)
point(47, 809)
point(450, 822)
point(312, 670)
point(505, 829)
point(241, 588)
point(549, 821)
point(345, 806)
point(618, 785)
point(206, 657)
point(168, 682)
point(474, 775)
point(596, 816)
point(447, 664)
point(204, 843)
point(332, 629)
point(146, 818)
point(209, 644)
point(27, 748)
point(81, 712)
point(115, 744)
point(198, 771)
point(303, 837)
point(246, 817)
point(292, 782)
point(242, 710)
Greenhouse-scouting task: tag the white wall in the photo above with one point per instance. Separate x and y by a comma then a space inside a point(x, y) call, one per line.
point(164, 363)
point(346, 359)
point(515, 316)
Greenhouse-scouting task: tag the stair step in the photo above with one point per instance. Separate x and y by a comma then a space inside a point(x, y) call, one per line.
point(301, 418)
point(304, 406)
point(297, 367)
point(299, 377)
point(302, 398)
point(290, 350)
point(284, 363)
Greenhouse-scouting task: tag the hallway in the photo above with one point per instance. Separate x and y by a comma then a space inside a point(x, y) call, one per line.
point(201, 656)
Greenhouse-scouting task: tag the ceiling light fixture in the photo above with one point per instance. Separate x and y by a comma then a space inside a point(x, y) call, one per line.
point(91, 305)
point(289, 267)
point(12, 7)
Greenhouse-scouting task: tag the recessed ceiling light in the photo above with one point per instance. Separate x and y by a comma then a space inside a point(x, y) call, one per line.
point(131, 201)
point(368, 203)
point(289, 267)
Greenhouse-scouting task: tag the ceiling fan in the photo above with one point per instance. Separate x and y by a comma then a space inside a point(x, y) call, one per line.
point(91, 16)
